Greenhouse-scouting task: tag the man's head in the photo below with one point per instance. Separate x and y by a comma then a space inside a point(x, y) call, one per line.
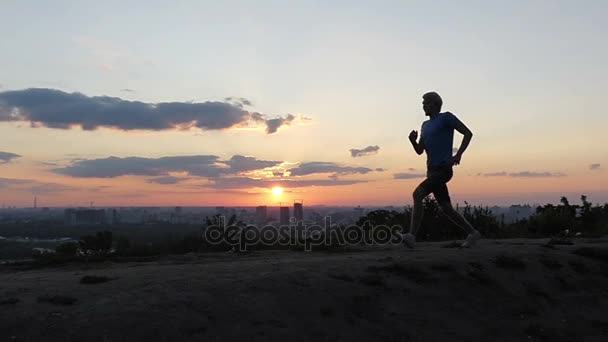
point(431, 103)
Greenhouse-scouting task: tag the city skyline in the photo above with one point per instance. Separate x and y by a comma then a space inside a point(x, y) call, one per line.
point(251, 105)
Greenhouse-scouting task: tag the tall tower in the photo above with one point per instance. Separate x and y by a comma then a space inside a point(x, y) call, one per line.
point(284, 215)
point(35, 202)
point(298, 209)
point(261, 214)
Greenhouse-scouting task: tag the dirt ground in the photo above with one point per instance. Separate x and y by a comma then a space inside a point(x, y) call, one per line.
point(503, 290)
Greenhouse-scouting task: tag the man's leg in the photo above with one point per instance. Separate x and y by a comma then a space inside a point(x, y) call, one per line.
point(418, 210)
point(456, 217)
point(443, 198)
point(409, 239)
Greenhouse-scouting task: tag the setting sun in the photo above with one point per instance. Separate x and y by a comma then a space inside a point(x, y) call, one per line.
point(277, 191)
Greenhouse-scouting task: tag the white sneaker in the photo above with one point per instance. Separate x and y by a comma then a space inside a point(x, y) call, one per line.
point(471, 239)
point(409, 240)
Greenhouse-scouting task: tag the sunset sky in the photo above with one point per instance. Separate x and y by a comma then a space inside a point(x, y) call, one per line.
point(204, 103)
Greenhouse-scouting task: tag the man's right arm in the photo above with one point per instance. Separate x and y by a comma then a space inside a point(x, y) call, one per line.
point(418, 147)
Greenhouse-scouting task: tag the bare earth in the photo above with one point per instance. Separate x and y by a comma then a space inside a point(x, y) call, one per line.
point(503, 290)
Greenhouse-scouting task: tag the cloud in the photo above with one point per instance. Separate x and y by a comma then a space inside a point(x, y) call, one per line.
point(239, 101)
point(495, 174)
point(202, 165)
point(536, 174)
point(408, 175)
point(240, 163)
point(369, 150)
point(127, 90)
point(273, 125)
point(166, 180)
point(33, 186)
point(57, 109)
point(6, 157)
point(6, 182)
point(50, 188)
point(594, 166)
point(310, 168)
point(198, 165)
point(246, 182)
point(48, 164)
point(523, 174)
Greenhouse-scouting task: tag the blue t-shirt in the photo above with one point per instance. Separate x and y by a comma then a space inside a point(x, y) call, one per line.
point(438, 137)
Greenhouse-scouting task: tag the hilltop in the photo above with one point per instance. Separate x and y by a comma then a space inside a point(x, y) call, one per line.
point(503, 290)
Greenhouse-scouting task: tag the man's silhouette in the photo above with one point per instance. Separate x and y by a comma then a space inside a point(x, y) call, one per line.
point(436, 139)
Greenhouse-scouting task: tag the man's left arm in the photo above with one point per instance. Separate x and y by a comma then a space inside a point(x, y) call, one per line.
point(466, 132)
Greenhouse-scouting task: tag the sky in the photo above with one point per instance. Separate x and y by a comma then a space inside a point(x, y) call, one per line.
point(205, 103)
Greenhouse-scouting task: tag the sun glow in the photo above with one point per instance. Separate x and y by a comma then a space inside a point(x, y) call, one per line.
point(277, 191)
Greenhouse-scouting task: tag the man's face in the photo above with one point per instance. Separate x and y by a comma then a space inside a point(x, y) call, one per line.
point(430, 107)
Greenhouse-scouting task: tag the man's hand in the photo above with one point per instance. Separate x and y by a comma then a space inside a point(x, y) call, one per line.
point(413, 136)
point(456, 159)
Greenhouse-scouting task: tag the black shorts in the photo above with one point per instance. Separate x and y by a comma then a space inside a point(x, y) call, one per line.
point(436, 181)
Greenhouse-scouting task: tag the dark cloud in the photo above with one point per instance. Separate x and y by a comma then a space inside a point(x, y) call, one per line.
point(200, 166)
point(495, 174)
point(408, 175)
point(594, 166)
point(529, 174)
point(6, 182)
point(57, 109)
point(411, 169)
point(523, 174)
point(379, 169)
point(50, 188)
point(127, 90)
point(240, 163)
point(369, 150)
point(277, 173)
point(239, 101)
point(6, 157)
point(48, 164)
point(166, 180)
point(326, 167)
point(33, 186)
point(272, 125)
point(246, 182)
point(203, 165)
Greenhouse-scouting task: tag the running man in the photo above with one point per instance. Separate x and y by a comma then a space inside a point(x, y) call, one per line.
point(436, 139)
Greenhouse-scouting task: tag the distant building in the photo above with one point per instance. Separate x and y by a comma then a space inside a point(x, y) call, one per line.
point(284, 215)
point(298, 210)
point(261, 213)
point(84, 216)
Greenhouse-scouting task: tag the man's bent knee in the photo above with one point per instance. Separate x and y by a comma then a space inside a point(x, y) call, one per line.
point(446, 206)
point(419, 194)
